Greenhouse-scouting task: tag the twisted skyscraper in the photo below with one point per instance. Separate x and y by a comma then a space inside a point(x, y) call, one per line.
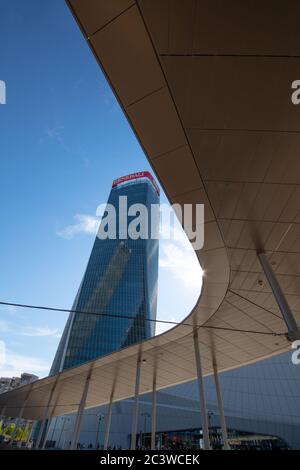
point(117, 297)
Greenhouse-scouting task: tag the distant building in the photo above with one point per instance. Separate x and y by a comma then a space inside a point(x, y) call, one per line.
point(27, 378)
point(9, 383)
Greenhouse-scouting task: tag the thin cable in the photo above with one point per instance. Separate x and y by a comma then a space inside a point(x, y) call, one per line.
point(169, 322)
point(255, 304)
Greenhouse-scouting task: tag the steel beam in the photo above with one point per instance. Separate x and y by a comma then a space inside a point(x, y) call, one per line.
point(287, 314)
point(221, 408)
point(202, 401)
point(153, 413)
point(135, 409)
point(80, 411)
point(19, 419)
point(46, 416)
point(108, 423)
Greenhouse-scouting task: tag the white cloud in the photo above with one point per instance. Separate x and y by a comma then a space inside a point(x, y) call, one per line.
point(161, 327)
point(8, 308)
point(2, 353)
point(178, 256)
point(40, 331)
point(56, 133)
point(12, 312)
point(6, 327)
point(13, 364)
point(85, 224)
point(179, 274)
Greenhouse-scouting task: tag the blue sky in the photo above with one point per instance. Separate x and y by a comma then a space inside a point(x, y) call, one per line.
point(63, 139)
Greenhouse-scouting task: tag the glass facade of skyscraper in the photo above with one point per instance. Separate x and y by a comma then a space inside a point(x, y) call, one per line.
point(120, 282)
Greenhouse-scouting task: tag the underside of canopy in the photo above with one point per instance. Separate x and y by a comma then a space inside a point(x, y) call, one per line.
point(206, 88)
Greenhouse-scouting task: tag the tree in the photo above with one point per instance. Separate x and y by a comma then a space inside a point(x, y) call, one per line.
point(8, 431)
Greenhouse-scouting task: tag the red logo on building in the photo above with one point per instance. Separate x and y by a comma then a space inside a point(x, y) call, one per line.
point(135, 176)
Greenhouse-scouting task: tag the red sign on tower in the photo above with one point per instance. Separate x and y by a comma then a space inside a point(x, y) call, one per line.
point(134, 176)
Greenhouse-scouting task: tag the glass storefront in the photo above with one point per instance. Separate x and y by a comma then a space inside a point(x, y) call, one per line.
point(192, 439)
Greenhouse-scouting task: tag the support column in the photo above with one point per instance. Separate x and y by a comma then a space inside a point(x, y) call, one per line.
point(17, 424)
point(153, 413)
point(2, 417)
point(201, 392)
point(48, 423)
point(221, 407)
point(45, 417)
point(19, 419)
point(108, 422)
point(48, 429)
point(287, 314)
point(136, 404)
point(3, 412)
point(29, 425)
point(80, 411)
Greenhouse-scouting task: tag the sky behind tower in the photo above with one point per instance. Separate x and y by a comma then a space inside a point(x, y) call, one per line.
point(64, 139)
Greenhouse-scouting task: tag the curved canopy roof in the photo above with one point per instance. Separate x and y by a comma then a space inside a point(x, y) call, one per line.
point(206, 87)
